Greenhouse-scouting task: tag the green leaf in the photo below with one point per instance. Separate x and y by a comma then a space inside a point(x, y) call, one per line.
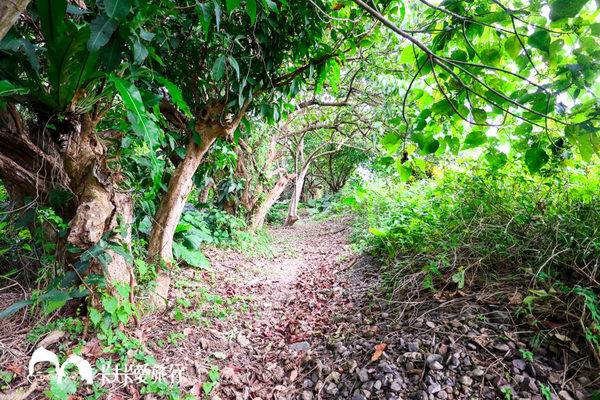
point(377, 232)
point(8, 89)
point(176, 95)
point(102, 28)
point(430, 147)
point(251, 10)
point(491, 56)
point(535, 159)
point(391, 141)
point(496, 159)
point(117, 9)
point(234, 64)
point(404, 172)
point(232, 5)
point(218, 68)
point(110, 304)
point(70, 64)
point(540, 39)
point(459, 278)
point(52, 14)
point(565, 8)
point(479, 115)
point(14, 307)
point(513, 47)
point(474, 139)
point(138, 116)
point(95, 316)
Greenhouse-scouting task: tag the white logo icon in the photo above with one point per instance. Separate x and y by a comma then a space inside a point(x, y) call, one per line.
point(83, 367)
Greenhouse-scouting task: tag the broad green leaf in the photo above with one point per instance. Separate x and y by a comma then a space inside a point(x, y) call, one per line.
point(52, 14)
point(218, 68)
point(404, 173)
point(540, 39)
point(117, 9)
point(535, 159)
point(14, 307)
point(474, 139)
point(234, 64)
point(430, 147)
point(138, 116)
point(377, 232)
point(490, 57)
point(95, 316)
point(391, 141)
point(232, 5)
point(102, 28)
point(565, 8)
point(8, 89)
point(251, 10)
point(513, 47)
point(110, 304)
point(176, 95)
point(479, 115)
point(496, 160)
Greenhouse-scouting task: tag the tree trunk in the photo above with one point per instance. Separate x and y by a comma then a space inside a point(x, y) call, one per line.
point(33, 162)
point(168, 214)
point(99, 206)
point(295, 200)
point(258, 219)
point(9, 13)
point(209, 127)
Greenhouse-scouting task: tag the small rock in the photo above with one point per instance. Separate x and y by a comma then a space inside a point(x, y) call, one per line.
point(584, 380)
point(477, 372)
point(519, 364)
point(434, 388)
point(363, 375)
point(396, 386)
point(436, 366)
point(358, 396)
point(307, 395)
point(300, 346)
point(331, 389)
point(501, 347)
point(433, 358)
point(498, 317)
point(564, 395)
point(307, 384)
point(442, 395)
point(377, 385)
point(420, 395)
point(243, 340)
point(219, 355)
point(413, 347)
point(465, 380)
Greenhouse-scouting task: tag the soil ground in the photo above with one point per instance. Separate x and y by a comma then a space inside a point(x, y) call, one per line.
point(310, 321)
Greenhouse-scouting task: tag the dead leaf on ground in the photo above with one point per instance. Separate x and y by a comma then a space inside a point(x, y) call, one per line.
point(378, 351)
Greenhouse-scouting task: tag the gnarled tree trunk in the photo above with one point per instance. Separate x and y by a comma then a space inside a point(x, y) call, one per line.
point(209, 126)
point(258, 219)
point(33, 161)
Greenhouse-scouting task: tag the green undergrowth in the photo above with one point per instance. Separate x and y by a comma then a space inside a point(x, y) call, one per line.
point(467, 228)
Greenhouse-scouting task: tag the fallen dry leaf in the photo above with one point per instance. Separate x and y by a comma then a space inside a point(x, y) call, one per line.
point(378, 352)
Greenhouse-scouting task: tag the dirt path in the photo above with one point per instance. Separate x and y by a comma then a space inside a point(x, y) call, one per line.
point(306, 321)
point(317, 317)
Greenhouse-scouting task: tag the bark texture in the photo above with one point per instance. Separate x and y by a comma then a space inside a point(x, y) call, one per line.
point(209, 125)
point(9, 14)
point(34, 160)
point(258, 219)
